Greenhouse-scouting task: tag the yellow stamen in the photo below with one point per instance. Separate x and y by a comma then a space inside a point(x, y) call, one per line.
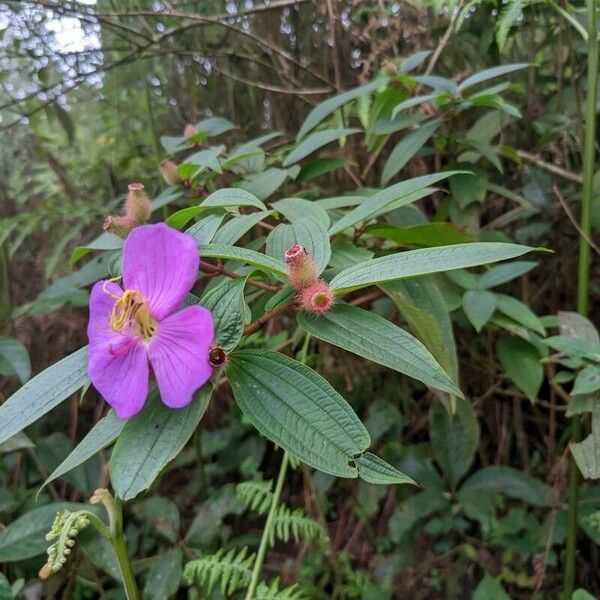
point(131, 310)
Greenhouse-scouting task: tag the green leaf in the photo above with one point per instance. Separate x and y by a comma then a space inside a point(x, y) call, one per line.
point(256, 259)
point(102, 434)
point(497, 479)
point(150, 440)
point(479, 306)
point(454, 438)
point(414, 60)
point(204, 230)
point(575, 325)
point(424, 261)
point(505, 273)
point(297, 409)
point(299, 208)
point(214, 126)
point(468, 188)
point(226, 197)
point(13, 352)
point(315, 141)
point(426, 235)
point(208, 159)
point(173, 143)
point(573, 346)
point(390, 195)
point(587, 381)
point(412, 101)
point(519, 312)
point(42, 393)
point(226, 303)
point(105, 241)
point(235, 228)
point(521, 361)
point(581, 594)
point(587, 452)
point(407, 148)
point(373, 469)
point(310, 234)
point(323, 110)
point(25, 537)
point(489, 589)
point(264, 184)
point(163, 577)
point(317, 167)
point(368, 335)
point(488, 74)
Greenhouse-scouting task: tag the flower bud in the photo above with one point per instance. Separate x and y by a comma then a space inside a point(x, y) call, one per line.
point(45, 571)
point(120, 226)
point(168, 170)
point(189, 131)
point(302, 270)
point(318, 298)
point(137, 203)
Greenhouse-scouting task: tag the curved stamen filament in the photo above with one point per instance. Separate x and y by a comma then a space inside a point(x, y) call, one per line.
point(130, 309)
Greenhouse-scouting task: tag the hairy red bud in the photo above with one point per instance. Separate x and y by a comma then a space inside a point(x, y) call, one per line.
point(168, 169)
point(189, 131)
point(318, 298)
point(120, 226)
point(301, 268)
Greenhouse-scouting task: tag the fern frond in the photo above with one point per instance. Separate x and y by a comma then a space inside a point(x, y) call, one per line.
point(257, 495)
point(273, 592)
point(508, 17)
point(295, 523)
point(232, 570)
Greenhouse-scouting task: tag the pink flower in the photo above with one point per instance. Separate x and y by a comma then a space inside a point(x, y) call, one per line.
point(138, 326)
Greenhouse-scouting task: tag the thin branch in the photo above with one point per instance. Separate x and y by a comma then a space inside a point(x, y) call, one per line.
point(554, 169)
point(221, 271)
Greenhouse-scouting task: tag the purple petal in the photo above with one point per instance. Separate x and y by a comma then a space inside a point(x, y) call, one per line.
point(179, 354)
point(162, 264)
point(117, 363)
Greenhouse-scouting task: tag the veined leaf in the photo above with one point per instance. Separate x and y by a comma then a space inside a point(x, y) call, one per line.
point(310, 234)
point(296, 408)
point(42, 393)
point(315, 141)
point(204, 230)
point(521, 361)
point(505, 273)
point(426, 235)
point(373, 469)
point(152, 439)
point(424, 261)
point(251, 257)
point(232, 197)
point(377, 339)
point(479, 306)
point(105, 241)
point(299, 208)
point(375, 204)
point(236, 227)
point(488, 74)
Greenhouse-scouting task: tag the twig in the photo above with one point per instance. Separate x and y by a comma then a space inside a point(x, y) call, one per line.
point(536, 160)
point(445, 38)
point(574, 222)
point(221, 271)
point(256, 325)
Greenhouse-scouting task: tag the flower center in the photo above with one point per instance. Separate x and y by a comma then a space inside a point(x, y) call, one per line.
point(130, 310)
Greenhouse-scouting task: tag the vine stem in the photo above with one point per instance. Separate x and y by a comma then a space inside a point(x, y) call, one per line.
point(264, 540)
point(118, 544)
point(583, 276)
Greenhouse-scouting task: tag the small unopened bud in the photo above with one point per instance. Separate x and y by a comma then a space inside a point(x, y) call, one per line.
point(389, 69)
point(120, 226)
point(168, 170)
point(189, 131)
point(317, 298)
point(45, 571)
point(301, 268)
point(137, 203)
point(217, 357)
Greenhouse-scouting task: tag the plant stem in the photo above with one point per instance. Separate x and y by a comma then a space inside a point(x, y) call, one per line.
point(118, 544)
point(264, 540)
point(583, 275)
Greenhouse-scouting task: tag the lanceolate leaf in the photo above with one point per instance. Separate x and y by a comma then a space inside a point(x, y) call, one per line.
point(521, 361)
point(424, 261)
point(256, 259)
point(15, 354)
point(375, 204)
point(42, 393)
point(204, 230)
point(296, 408)
point(376, 339)
point(235, 228)
point(315, 141)
point(102, 434)
point(232, 197)
point(323, 110)
point(310, 234)
point(479, 306)
point(150, 440)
